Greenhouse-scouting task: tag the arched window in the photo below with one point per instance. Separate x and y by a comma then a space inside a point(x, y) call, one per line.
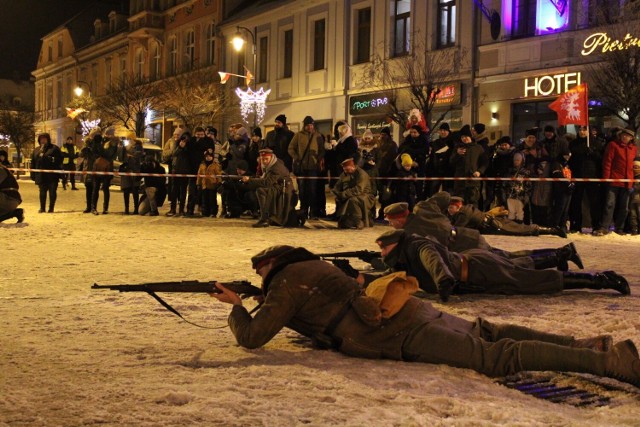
point(172, 65)
point(210, 43)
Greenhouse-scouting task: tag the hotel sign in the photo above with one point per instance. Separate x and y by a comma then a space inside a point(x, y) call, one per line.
point(602, 43)
point(555, 84)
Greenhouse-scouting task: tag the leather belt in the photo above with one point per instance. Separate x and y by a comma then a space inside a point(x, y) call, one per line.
point(464, 268)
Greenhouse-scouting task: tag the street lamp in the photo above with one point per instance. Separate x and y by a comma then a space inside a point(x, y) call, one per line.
point(78, 89)
point(238, 43)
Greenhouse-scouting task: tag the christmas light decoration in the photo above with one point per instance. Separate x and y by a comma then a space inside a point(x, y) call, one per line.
point(87, 125)
point(253, 102)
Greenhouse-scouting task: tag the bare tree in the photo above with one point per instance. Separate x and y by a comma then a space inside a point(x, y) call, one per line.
point(195, 97)
point(615, 78)
point(127, 102)
point(414, 80)
point(17, 126)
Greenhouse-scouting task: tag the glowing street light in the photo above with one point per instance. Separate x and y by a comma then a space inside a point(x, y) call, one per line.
point(78, 89)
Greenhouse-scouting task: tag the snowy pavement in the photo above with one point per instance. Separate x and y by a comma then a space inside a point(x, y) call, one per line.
point(72, 356)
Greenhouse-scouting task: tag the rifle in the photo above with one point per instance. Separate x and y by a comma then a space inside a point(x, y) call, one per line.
point(366, 256)
point(242, 287)
point(370, 257)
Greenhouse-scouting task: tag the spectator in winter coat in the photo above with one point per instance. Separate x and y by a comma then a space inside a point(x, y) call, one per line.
point(499, 166)
point(278, 140)
point(155, 189)
point(307, 151)
point(468, 160)
point(180, 164)
point(586, 162)
point(4, 159)
point(517, 191)
point(133, 155)
point(416, 118)
point(70, 154)
point(552, 143)
point(48, 157)
point(403, 188)
point(561, 190)
point(438, 164)
point(208, 182)
point(105, 151)
point(385, 157)
point(617, 163)
point(339, 315)
point(417, 146)
point(256, 143)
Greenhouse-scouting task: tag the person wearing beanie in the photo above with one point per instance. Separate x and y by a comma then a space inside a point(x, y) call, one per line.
point(354, 197)
point(417, 146)
point(586, 162)
point(417, 332)
point(208, 181)
point(468, 160)
point(343, 147)
point(278, 140)
point(499, 165)
point(617, 163)
point(69, 155)
point(438, 163)
point(49, 157)
point(307, 153)
point(553, 144)
point(274, 192)
point(253, 151)
point(132, 155)
point(385, 130)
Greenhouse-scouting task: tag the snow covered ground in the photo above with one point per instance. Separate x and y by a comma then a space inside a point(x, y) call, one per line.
point(72, 356)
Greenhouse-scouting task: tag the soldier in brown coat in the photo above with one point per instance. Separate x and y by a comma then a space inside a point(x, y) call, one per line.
point(317, 300)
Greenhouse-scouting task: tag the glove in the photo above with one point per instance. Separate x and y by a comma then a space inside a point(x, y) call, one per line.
point(498, 211)
point(345, 266)
point(445, 288)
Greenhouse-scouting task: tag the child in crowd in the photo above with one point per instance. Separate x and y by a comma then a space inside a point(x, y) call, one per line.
point(517, 191)
point(403, 188)
point(208, 182)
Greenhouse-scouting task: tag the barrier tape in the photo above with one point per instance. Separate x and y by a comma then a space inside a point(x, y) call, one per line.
point(177, 175)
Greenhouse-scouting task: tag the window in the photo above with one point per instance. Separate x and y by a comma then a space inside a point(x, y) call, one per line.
point(446, 23)
point(154, 71)
point(363, 36)
point(59, 94)
point(123, 67)
point(50, 51)
point(210, 40)
point(108, 72)
point(263, 59)
point(60, 47)
point(189, 50)
point(139, 64)
point(173, 56)
point(524, 18)
point(602, 12)
point(318, 44)
point(401, 27)
point(287, 66)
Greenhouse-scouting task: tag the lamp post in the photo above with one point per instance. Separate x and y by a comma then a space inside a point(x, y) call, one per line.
point(238, 43)
point(78, 89)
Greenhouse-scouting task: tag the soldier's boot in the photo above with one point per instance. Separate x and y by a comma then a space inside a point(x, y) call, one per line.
point(621, 362)
point(553, 231)
point(8, 215)
point(556, 258)
point(604, 280)
point(263, 222)
point(598, 343)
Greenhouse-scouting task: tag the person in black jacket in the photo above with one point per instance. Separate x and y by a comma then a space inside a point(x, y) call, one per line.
point(196, 148)
point(468, 160)
point(278, 140)
point(438, 163)
point(416, 145)
point(48, 157)
point(155, 187)
point(561, 190)
point(9, 196)
point(180, 165)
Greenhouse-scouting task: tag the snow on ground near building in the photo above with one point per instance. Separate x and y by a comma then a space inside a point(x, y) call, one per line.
point(73, 356)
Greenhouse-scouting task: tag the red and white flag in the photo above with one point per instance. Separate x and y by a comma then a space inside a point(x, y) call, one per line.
point(572, 106)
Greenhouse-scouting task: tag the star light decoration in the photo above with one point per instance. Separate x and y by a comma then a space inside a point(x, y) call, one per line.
point(87, 125)
point(253, 102)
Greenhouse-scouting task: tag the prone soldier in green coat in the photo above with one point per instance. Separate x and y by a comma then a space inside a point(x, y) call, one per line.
point(319, 301)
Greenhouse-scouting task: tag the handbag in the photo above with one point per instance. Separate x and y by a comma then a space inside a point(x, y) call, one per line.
point(102, 165)
point(297, 165)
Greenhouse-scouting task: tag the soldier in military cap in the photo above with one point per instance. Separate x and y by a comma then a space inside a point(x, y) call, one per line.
point(428, 219)
point(317, 300)
point(494, 221)
point(274, 191)
point(444, 272)
point(354, 197)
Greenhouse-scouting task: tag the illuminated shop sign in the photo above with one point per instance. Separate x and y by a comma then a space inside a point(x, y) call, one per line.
point(368, 104)
point(551, 85)
point(375, 126)
point(602, 43)
point(449, 95)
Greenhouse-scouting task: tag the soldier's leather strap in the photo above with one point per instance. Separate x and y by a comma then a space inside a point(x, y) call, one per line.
point(464, 268)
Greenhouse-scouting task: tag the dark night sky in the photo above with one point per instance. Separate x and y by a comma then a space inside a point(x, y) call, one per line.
point(22, 24)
